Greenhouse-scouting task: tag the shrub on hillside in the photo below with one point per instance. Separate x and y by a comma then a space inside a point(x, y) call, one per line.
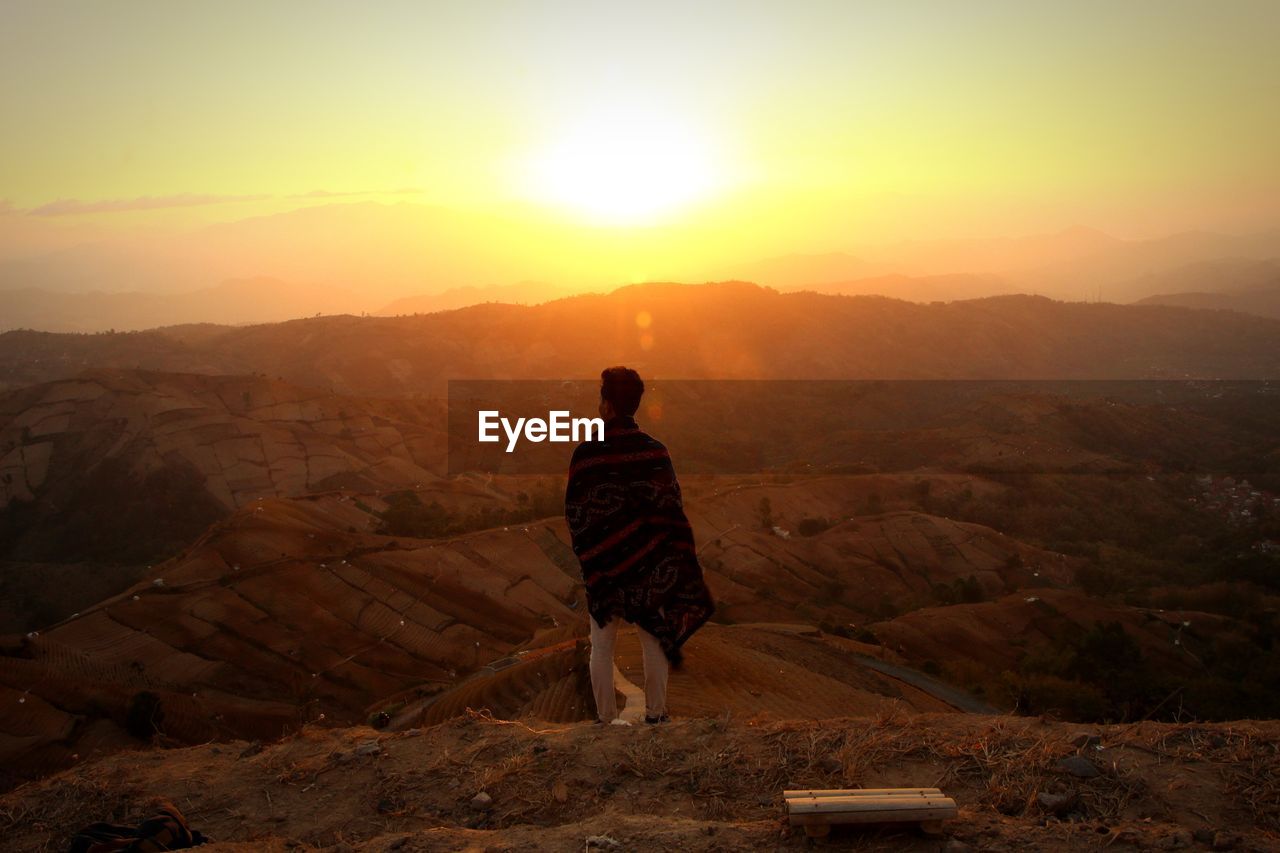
point(406, 515)
point(144, 716)
point(1056, 697)
point(809, 526)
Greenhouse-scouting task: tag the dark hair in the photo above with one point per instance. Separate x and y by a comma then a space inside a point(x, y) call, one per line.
point(622, 387)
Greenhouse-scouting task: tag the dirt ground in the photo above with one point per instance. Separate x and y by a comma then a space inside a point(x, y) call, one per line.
point(698, 785)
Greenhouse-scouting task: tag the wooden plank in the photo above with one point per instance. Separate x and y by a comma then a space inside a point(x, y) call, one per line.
point(859, 804)
point(918, 815)
point(860, 792)
point(854, 803)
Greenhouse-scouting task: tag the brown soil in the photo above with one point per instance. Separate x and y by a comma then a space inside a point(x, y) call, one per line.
point(762, 671)
point(695, 784)
point(993, 635)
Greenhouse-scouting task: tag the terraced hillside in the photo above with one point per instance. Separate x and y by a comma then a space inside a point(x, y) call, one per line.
point(769, 670)
point(244, 437)
point(782, 672)
point(997, 632)
point(294, 608)
point(106, 473)
point(284, 612)
point(855, 564)
point(1063, 653)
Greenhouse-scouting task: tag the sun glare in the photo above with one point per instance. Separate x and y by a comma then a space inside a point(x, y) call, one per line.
point(625, 169)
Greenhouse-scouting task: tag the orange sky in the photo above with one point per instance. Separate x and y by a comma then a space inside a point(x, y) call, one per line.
point(646, 140)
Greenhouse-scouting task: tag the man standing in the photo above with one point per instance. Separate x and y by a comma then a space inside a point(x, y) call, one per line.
point(627, 522)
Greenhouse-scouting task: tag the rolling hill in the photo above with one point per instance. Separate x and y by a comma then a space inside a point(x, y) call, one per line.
point(311, 562)
point(1262, 300)
point(723, 331)
point(232, 302)
point(294, 608)
point(111, 471)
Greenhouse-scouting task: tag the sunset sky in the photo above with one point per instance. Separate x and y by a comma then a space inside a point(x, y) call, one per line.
point(797, 126)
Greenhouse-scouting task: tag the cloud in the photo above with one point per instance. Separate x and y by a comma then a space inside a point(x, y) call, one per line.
point(73, 206)
point(330, 194)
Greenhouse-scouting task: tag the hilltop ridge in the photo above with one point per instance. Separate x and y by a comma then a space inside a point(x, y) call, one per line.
point(721, 330)
point(700, 785)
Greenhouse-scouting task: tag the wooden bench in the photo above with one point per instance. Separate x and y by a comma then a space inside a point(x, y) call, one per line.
point(817, 811)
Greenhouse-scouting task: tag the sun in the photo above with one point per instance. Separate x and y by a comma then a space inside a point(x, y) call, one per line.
point(625, 169)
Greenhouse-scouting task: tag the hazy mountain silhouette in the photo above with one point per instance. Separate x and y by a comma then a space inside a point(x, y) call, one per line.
point(1214, 276)
point(1252, 287)
point(921, 288)
point(727, 330)
point(1072, 264)
point(520, 293)
point(233, 302)
point(393, 251)
point(789, 272)
point(932, 257)
point(386, 251)
point(1260, 299)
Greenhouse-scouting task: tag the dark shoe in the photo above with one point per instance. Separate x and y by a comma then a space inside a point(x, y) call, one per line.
point(653, 721)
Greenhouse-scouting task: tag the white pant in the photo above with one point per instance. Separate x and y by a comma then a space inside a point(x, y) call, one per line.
point(655, 671)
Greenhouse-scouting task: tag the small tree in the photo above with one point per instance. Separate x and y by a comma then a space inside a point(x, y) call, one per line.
point(968, 590)
point(766, 513)
point(144, 716)
point(809, 526)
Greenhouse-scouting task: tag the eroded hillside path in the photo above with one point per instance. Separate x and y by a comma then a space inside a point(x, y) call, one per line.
point(954, 697)
point(633, 708)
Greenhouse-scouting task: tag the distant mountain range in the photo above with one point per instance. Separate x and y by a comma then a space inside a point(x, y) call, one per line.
point(233, 302)
point(1247, 287)
point(726, 330)
point(521, 293)
point(919, 288)
point(409, 258)
point(1077, 264)
point(1263, 300)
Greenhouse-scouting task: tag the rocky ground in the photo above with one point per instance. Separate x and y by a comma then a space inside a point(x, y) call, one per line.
point(698, 784)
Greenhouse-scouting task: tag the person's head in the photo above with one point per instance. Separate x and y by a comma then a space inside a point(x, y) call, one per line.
point(620, 392)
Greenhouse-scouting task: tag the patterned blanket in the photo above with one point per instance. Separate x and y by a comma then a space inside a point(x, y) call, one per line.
point(629, 530)
point(165, 830)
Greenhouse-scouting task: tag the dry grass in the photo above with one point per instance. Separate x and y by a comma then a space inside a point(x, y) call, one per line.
point(1247, 762)
point(1256, 782)
point(715, 769)
point(492, 775)
point(62, 809)
point(1005, 762)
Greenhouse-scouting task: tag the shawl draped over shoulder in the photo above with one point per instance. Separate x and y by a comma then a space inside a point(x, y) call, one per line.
point(626, 519)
